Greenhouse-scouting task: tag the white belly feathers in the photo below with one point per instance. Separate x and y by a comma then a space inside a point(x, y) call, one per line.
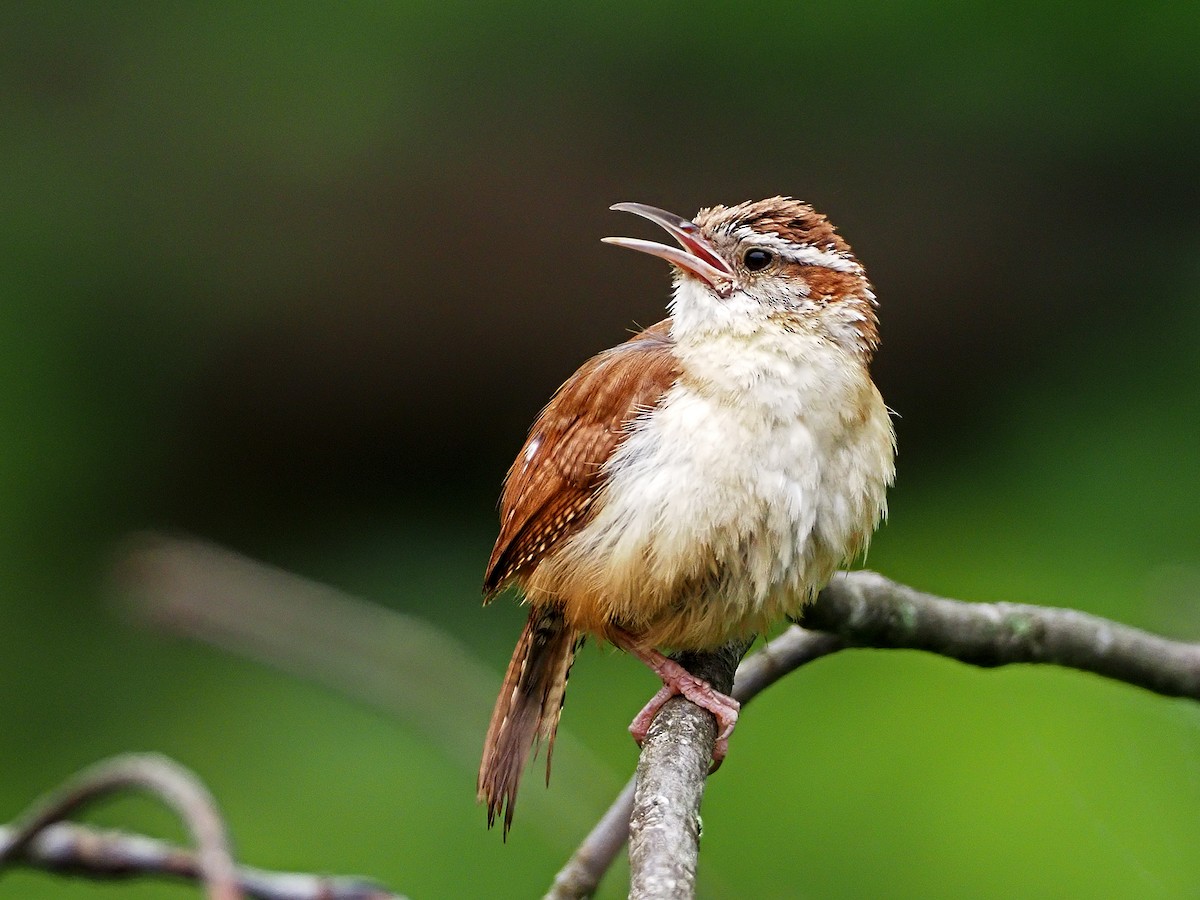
point(721, 516)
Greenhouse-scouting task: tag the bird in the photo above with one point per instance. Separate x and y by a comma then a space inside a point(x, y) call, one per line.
point(699, 482)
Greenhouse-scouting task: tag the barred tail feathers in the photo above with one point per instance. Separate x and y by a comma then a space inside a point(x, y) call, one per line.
point(527, 710)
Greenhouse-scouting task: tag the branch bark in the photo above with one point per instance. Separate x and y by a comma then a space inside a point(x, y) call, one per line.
point(857, 609)
point(867, 610)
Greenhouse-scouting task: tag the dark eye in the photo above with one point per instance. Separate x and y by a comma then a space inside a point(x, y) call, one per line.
point(757, 260)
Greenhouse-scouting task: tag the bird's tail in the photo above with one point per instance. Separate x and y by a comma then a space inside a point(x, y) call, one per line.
point(527, 710)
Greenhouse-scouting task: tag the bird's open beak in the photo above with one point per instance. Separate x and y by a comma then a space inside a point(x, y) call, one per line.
point(697, 255)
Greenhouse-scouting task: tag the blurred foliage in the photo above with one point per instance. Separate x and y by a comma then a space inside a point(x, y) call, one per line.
point(296, 276)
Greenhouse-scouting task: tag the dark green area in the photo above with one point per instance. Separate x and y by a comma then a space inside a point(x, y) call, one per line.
point(295, 277)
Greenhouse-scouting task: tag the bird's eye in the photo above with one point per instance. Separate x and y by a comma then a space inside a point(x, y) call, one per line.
point(756, 260)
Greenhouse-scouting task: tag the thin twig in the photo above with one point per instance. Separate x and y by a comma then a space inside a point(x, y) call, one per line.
point(103, 854)
point(581, 875)
point(158, 775)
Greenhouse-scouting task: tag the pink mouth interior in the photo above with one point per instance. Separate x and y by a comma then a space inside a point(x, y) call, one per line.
point(699, 248)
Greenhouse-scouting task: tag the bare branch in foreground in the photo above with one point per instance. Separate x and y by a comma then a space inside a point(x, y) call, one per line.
point(162, 777)
point(864, 609)
point(40, 840)
point(94, 853)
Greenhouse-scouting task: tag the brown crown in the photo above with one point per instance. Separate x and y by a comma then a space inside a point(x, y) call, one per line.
point(791, 219)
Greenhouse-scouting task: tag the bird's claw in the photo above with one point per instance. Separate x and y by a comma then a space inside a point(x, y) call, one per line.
point(723, 708)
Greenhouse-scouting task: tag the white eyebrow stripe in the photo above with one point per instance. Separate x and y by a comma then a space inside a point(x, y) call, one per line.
point(805, 254)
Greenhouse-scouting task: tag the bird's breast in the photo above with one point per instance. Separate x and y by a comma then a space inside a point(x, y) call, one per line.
point(728, 507)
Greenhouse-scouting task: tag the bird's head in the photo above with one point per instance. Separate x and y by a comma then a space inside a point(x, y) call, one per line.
point(774, 263)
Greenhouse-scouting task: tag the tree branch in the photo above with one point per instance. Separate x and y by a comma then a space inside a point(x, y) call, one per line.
point(201, 590)
point(73, 849)
point(583, 871)
point(582, 874)
point(663, 846)
point(867, 610)
point(859, 609)
point(167, 780)
point(39, 839)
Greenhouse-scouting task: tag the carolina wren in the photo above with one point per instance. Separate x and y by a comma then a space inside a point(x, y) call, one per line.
point(700, 481)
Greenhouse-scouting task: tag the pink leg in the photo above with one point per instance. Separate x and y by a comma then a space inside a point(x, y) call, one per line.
point(678, 680)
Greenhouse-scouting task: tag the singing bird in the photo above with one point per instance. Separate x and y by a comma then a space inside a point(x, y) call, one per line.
point(699, 482)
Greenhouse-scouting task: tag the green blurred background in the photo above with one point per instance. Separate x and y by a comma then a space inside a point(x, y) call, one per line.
point(295, 277)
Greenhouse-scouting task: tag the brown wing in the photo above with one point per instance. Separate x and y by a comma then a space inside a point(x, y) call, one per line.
point(550, 489)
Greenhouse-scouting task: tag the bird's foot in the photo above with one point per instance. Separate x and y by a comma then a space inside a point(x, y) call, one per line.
point(678, 681)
